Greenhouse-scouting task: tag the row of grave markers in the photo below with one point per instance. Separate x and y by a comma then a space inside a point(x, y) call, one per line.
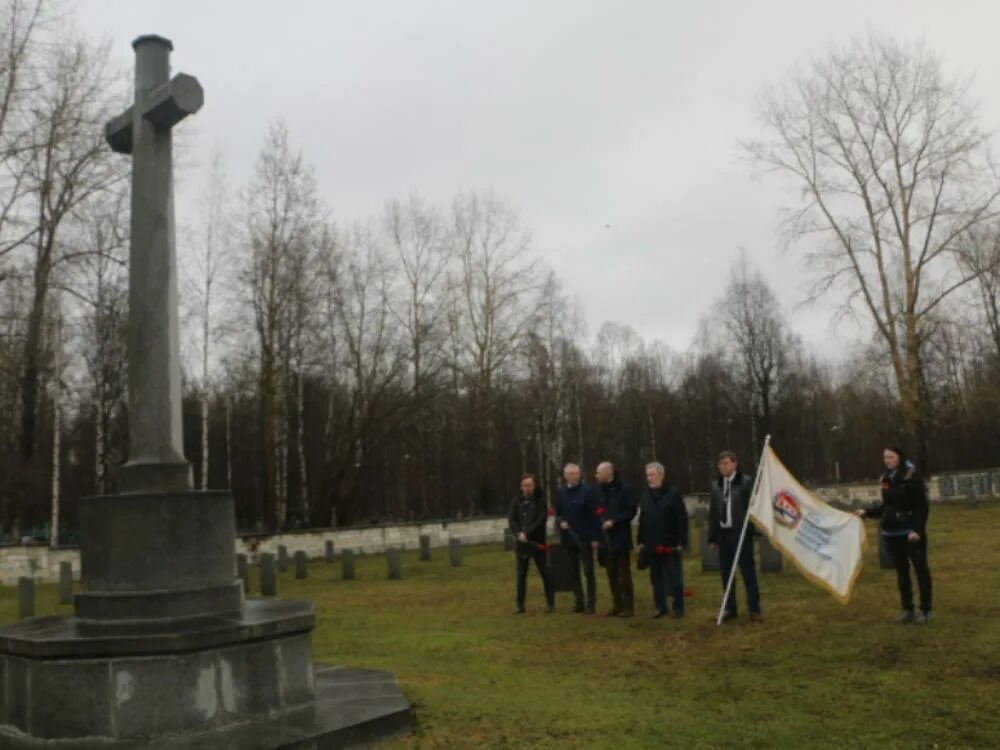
point(271, 565)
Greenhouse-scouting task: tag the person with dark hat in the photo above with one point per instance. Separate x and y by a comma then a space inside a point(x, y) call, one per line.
point(903, 513)
point(526, 520)
point(662, 537)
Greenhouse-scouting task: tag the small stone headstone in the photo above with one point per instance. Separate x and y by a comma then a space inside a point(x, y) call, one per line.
point(242, 573)
point(709, 556)
point(328, 551)
point(395, 564)
point(65, 583)
point(282, 558)
point(425, 548)
point(560, 568)
point(347, 563)
point(301, 564)
point(508, 540)
point(268, 576)
point(884, 556)
point(770, 558)
point(700, 516)
point(25, 598)
point(455, 552)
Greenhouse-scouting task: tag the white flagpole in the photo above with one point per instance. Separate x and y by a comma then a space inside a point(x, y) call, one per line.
point(743, 532)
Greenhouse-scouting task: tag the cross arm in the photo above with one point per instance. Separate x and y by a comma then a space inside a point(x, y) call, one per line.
point(164, 106)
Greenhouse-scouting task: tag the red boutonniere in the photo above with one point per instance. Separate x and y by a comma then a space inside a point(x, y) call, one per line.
point(550, 511)
point(662, 549)
point(542, 547)
point(600, 510)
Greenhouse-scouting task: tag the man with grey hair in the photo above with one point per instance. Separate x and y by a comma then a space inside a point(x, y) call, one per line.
point(663, 535)
point(579, 532)
point(615, 509)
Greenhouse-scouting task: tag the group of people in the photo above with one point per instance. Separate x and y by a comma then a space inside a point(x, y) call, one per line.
point(595, 528)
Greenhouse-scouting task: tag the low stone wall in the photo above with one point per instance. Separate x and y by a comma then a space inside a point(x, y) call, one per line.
point(41, 563)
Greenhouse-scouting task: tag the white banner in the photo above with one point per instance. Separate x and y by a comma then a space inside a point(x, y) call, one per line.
point(824, 543)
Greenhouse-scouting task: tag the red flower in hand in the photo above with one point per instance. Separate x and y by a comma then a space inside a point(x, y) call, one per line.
point(542, 547)
point(688, 592)
point(600, 510)
point(550, 511)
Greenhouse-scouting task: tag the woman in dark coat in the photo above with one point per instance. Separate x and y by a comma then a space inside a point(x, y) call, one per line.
point(903, 513)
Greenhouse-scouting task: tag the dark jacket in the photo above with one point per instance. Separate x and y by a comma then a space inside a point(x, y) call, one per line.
point(904, 504)
point(616, 502)
point(575, 506)
point(739, 493)
point(663, 519)
point(528, 514)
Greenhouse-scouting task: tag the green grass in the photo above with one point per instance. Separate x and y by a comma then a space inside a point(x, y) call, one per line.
point(816, 675)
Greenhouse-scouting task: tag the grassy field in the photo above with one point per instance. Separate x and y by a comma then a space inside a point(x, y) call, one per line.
point(816, 674)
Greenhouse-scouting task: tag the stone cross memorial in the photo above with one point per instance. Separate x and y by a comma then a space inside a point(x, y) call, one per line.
point(163, 648)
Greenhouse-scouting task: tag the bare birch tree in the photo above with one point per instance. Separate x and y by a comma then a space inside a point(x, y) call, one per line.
point(894, 171)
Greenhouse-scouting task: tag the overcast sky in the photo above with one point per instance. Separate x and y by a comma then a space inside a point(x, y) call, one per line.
point(612, 126)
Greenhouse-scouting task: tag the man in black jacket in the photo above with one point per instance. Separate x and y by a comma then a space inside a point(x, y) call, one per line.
point(616, 508)
point(904, 510)
point(579, 532)
point(526, 520)
point(727, 512)
point(663, 535)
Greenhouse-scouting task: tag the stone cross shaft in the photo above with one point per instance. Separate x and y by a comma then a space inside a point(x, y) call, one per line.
point(156, 457)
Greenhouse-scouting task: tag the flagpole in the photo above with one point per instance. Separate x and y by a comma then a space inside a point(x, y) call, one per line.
point(743, 533)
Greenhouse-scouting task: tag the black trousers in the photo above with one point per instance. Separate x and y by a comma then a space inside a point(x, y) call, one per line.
point(666, 575)
point(583, 557)
point(904, 553)
point(619, 567)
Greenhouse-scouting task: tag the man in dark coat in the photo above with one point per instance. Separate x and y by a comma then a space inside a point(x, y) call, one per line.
point(663, 535)
point(729, 501)
point(579, 532)
point(616, 508)
point(526, 520)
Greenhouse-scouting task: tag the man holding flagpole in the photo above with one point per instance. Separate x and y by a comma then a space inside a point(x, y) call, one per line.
point(729, 502)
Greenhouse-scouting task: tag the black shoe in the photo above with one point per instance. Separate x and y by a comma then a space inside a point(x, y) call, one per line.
point(577, 609)
point(905, 617)
point(519, 611)
point(677, 615)
point(923, 618)
point(756, 617)
point(590, 610)
point(550, 609)
point(658, 614)
point(729, 616)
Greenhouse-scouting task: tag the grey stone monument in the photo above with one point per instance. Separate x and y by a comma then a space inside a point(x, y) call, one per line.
point(243, 572)
point(328, 551)
point(455, 552)
point(25, 598)
point(282, 558)
point(301, 564)
point(65, 583)
point(425, 548)
point(395, 563)
point(771, 560)
point(268, 575)
point(709, 556)
point(162, 649)
point(347, 564)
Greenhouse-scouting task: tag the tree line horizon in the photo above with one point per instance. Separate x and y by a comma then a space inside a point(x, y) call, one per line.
point(415, 364)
